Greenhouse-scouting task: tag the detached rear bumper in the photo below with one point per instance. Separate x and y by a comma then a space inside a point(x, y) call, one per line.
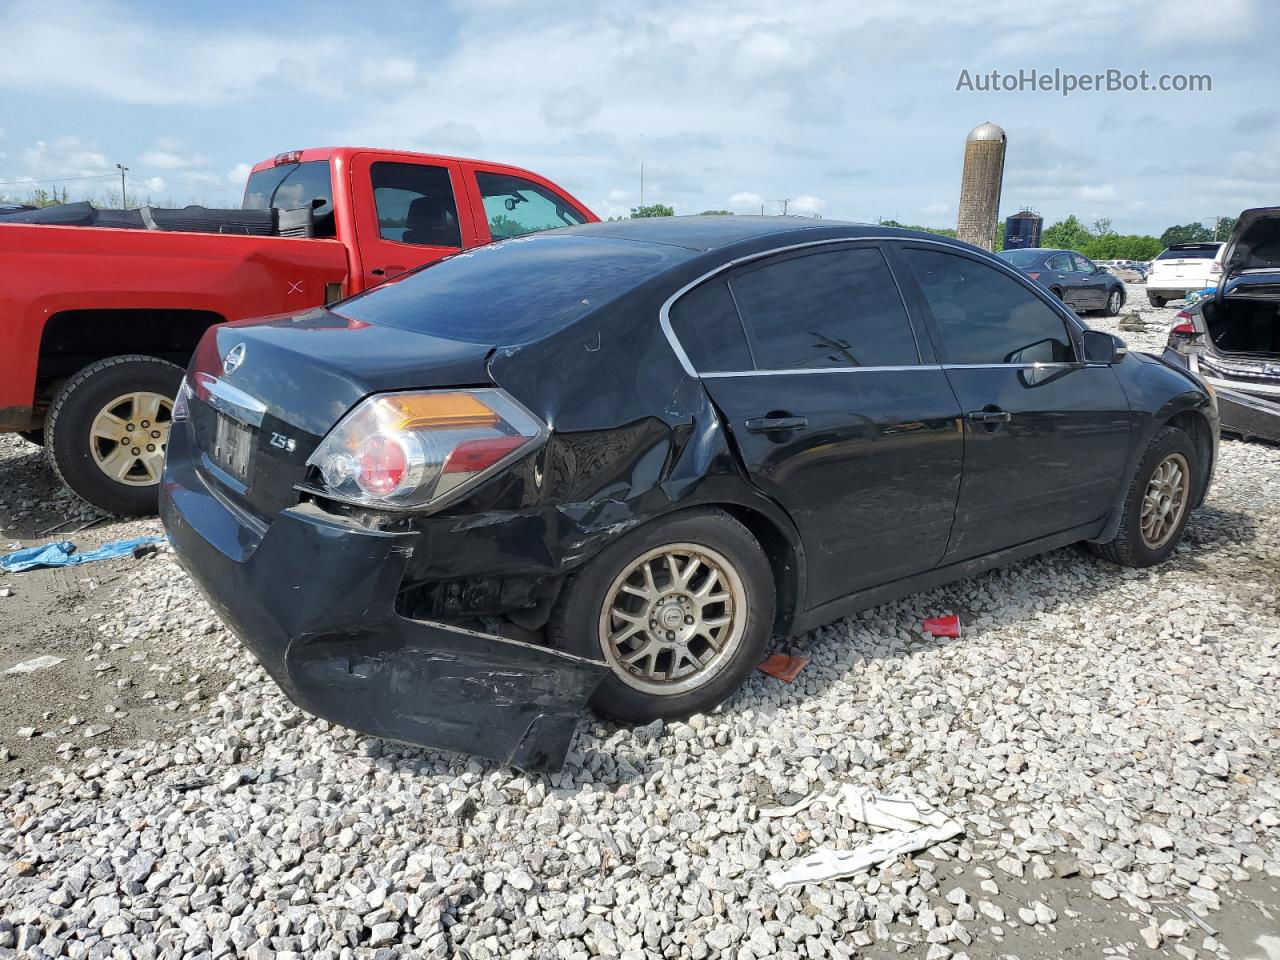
point(1248, 408)
point(313, 598)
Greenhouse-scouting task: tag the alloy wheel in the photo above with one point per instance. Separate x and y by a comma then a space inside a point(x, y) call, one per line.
point(672, 618)
point(1165, 500)
point(1113, 304)
point(129, 436)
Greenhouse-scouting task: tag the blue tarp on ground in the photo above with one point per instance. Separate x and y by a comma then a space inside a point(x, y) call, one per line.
point(63, 554)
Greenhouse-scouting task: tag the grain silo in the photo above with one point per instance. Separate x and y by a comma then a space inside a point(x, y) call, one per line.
point(1022, 230)
point(980, 185)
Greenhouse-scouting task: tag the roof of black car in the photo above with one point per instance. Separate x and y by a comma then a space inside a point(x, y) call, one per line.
point(1045, 250)
point(710, 232)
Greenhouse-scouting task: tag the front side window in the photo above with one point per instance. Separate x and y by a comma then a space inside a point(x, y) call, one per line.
point(985, 316)
point(515, 206)
point(838, 308)
point(1082, 263)
point(415, 204)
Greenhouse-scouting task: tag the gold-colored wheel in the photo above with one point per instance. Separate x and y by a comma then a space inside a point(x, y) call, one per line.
point(673, 618)
point(129, 436)
point(1165, 500)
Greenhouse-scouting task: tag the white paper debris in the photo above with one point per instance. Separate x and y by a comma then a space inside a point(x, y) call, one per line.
point(909, 825)
point(35, 663)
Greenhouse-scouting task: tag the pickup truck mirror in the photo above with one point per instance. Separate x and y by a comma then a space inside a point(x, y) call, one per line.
point(1102, 347)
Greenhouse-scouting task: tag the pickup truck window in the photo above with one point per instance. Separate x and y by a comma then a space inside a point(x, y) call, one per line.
point(415, 204)
point(515, 206)
point(294, 185)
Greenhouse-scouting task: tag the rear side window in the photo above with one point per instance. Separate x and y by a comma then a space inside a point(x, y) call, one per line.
point(985, 316)
point(706, 323)
point(515, 206)
point(1061, 262)
point(415, 204)
point(838, 308)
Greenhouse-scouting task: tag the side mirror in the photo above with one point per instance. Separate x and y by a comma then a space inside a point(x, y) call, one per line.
point(1102, 347)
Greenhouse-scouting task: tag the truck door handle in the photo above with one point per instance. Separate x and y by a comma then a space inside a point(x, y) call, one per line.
point(989, 415)
point(770, 424)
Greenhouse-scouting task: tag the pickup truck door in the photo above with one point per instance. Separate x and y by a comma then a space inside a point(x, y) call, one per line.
point(407, 213)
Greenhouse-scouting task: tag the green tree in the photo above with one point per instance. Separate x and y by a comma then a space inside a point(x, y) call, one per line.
point(652, 210)
point(716, 213)
point(1224, 227)
point(1069, 234)
point(1186, 233)
point(1102, 226)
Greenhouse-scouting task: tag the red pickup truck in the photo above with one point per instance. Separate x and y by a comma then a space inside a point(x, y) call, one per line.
point(99, 308)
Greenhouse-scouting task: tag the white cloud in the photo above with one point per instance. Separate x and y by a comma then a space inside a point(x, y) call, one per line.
point(570, 108)
point(63, 157)
point(1102, 191)
point(378, 74)
point(238, 174)
point(806, 205)
point(154, 185)
point(167, 155)
point(745, 200)
point(937, 208)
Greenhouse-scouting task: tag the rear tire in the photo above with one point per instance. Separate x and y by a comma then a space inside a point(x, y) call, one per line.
point(1157, 506)
point(1115, 303)
point(669, 608)
point(108, 428)
point(1156, 301)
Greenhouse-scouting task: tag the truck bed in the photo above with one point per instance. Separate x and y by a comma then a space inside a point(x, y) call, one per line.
point(189, 219)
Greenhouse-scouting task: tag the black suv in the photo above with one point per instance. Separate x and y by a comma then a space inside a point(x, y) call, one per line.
point(611, 462)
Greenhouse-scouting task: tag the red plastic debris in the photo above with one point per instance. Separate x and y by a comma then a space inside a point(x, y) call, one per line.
point(783, 667)
point(948, 626)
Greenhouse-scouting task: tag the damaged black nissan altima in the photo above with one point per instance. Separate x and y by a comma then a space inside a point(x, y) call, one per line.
point(608, 463)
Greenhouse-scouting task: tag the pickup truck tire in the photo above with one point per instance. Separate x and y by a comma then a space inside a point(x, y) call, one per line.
point(107, 430)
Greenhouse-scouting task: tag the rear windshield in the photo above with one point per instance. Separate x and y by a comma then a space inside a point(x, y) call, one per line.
point(1021, 258)
point(515, 291)
point(1205, 251)
point(293, 185)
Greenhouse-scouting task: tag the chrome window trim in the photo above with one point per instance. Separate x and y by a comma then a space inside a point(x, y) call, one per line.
point(780, 373)
point(1072, 321)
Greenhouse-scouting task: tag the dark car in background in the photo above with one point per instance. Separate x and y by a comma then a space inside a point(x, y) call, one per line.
point(1071, 277)
point(610, 462)
point(1232, 338)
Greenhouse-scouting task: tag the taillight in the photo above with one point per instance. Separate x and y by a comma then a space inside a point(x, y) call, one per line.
point(1184, 325)
point(1215, 269)
point(293, 156)
point(404, 450)
point(1033, 276)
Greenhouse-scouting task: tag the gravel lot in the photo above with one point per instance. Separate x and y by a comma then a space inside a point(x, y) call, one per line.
point(1107, 738)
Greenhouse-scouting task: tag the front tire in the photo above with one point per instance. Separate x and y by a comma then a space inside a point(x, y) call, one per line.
point(681, 610)
point(1158, 503)
point(108, 428)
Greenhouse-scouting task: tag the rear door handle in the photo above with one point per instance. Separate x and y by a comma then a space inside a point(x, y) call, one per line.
point(769, 424)
point(988, 416)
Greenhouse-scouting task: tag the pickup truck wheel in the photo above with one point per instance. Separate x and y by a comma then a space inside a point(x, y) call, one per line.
point(681, 610)
point(108, 428)
point(1157, 504)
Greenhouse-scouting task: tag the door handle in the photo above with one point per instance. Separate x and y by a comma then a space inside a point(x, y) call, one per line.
point(770, 424)
point(988, 416)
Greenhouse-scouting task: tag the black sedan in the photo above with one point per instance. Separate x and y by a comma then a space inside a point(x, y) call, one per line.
point(1071, 277)
point(611, 462)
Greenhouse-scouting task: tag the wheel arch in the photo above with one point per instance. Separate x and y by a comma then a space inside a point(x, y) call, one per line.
point(1196, 425)
point(71, 340)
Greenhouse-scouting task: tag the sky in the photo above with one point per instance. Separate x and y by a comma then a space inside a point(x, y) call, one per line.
point(849, 110)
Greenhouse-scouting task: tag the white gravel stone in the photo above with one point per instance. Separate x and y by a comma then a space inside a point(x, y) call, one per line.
point(1112, 727)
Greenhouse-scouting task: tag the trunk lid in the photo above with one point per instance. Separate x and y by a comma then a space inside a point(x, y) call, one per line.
point(265, 392)
point(1254, 243)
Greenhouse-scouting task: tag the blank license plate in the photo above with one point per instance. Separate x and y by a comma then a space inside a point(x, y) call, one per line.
point(232, 445)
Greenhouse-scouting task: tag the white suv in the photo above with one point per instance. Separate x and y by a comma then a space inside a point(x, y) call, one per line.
point(1182, 268)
